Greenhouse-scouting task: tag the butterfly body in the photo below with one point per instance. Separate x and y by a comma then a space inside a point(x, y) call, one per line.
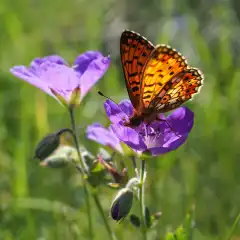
point(138, 117)
point(158, 78)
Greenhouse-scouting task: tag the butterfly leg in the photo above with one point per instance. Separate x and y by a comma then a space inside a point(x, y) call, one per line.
point(163, 120)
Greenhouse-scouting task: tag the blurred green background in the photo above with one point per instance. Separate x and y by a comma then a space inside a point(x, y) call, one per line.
point(41, 203)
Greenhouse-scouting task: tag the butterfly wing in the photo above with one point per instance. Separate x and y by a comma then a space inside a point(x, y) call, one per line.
point(161, 68)
point(178, 90)
point(134, 50)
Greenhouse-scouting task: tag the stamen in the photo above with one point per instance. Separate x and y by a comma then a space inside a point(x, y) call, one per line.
point(145, 128)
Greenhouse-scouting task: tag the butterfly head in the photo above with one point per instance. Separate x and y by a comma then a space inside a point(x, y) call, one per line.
point(139, 117)
point(134, 121)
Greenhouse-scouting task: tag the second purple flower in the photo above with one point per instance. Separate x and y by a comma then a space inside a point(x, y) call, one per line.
point(69, 85)
point(157, 138)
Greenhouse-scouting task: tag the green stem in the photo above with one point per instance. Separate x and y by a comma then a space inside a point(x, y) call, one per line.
point(141, 199)
point(235, 224)
point(82, 164)
point(82, 170)
point(105, 221)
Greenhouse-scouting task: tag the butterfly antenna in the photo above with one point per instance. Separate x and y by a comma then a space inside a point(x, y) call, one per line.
point(101, 94)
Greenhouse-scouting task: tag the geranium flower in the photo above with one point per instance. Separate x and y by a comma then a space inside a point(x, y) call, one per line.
point(67, 84)
point(159, 137)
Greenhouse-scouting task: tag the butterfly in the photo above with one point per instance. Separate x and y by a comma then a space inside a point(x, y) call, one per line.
point(158, 78)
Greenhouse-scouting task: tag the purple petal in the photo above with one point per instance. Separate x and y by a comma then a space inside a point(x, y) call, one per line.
point(176, 142)
point(161, 116)
point(181, 120)
point(59, 76)
point(98, 133)
point(52, 72)
point(26, 74)
point(114, 112)
point(93, 73)
point(52, 58)
point(171, 145)
point(171, 134)
point(126, 107)
point(129, 136)
point(82, 62)
point(50, 75)
point(158, 151)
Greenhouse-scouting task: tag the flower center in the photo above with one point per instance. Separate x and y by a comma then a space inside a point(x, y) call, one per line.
point(150, 134)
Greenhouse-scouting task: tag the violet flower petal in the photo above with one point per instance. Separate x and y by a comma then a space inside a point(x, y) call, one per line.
point(59, 77)
point(129, 136)
point(31, 77)
point(82, 62)
point(51, 58)
point(126, 107)
point(181, 120)
point(52, 75)
point(114, 112)
point(169, 146)
point(93, 73)
point(104, 136)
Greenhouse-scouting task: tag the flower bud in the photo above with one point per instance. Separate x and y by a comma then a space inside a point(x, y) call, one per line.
point(54, 162)
point(50, 143)
point(47, 146)
point(60, 158)
point(122, 204)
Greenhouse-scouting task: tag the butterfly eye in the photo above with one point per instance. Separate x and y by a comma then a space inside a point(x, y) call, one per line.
point(136, 121)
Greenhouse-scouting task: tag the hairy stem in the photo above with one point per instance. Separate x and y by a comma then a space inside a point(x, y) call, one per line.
point(141, 199)
point(81, 168)
point(105, 221)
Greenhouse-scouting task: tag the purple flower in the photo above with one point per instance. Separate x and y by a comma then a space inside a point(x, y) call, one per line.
point(67, 84)
point(159, 137)
point(104, 136)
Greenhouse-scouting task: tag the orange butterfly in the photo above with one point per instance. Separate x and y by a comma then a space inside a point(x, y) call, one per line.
point(158, 78)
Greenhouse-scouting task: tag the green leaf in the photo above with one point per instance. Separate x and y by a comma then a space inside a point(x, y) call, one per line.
point(170, 236)
point(181, 234)
point(97, 167)
point(96, 178)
